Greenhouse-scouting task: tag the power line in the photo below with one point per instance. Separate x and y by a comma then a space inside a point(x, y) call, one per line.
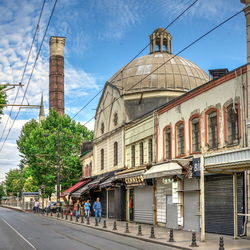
point(181, 14)
point(31, 74)
point(25, 67)
point(185, 48)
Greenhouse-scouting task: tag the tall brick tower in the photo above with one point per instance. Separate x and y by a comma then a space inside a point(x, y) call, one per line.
point(56, 74)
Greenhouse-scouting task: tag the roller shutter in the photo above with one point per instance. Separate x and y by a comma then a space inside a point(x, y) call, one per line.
point(219, 204)
point(143, 204)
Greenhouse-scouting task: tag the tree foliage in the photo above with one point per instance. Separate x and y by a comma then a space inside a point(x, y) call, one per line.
point(2, 192)
point(3, 100)
point(13, 182)
point(43, 146)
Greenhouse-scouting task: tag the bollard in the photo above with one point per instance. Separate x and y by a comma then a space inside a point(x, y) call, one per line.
point(104, 224)
point(171, 236)
point(51, 214)
point(57, 215)
point(221, 244)
point(66, 216)
point(88, 223)
point(127, 229)
point(47, 213)
point(193, 244)
point(71, 218)
point(152, 235)
point(139, 231)
point(96, 223)
point(76, 219)
point(82, 221)
point(61, 215)
point(114, 227)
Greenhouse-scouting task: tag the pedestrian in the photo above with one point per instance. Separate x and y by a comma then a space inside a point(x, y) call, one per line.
point(37, 204)
point(97, 207)
point(48, 206)
point(77, 209)
point(87, 208)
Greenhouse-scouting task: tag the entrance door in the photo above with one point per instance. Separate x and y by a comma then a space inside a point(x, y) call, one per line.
point(111, 204)
point(172, 215)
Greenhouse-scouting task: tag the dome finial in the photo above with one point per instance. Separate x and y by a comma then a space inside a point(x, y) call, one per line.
point(160, 41)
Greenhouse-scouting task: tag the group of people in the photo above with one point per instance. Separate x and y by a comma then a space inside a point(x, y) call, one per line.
point(85, 208)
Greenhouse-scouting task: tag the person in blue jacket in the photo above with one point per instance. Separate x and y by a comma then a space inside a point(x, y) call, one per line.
point(97, 207)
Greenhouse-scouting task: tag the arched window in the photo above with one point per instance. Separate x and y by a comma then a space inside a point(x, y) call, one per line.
point(232, 124)
point(167, 142)
point(141, 153)
point(115, 153)
point(180, 138)
point(150, 150)
point(195, 134)
point(102, 127)
point(212, 122)
point(102, 159)
point(133, 155)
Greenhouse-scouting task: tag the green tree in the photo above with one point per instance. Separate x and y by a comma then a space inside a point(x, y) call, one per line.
point(3, 100)
point(43, 145)
point(13, 182)
point(2, 192)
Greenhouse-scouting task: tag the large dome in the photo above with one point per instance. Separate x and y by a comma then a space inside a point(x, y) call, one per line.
point(177, 74)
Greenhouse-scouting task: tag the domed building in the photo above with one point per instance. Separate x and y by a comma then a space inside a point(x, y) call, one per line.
point(135, 90)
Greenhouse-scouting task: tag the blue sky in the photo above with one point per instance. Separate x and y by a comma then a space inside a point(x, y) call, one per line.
point(102, 36)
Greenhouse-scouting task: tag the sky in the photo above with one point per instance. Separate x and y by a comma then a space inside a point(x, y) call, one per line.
point(101, 37)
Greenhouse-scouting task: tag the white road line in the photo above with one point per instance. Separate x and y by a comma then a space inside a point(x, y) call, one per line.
point(20, 235)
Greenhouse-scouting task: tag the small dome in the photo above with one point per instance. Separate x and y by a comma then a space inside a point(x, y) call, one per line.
point(177, 74)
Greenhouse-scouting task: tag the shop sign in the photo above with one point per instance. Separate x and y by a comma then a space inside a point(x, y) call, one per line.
point(134, 180)
point(196, 167)
point(166, 180)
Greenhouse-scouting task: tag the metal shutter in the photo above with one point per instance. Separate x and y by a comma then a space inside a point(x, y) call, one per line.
point(219, 204)
point(191, 205)
point(111, 204)
point(143, 204)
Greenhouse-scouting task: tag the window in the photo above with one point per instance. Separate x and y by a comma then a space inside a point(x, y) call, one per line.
point(141, 153)
point(115, 120)
point(90, 168)
point(133, 155)
point(180, 139)
point(102, 128)
point(115, 153)
point(232, 124)
point(150, 150)
point(195, 126)
point(102, 159)
point(212, 130)
point(167, 142)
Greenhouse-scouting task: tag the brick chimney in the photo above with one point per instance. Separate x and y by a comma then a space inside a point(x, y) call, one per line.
point(56, 74)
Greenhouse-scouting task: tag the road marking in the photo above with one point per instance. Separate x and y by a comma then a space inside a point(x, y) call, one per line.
point(20, 235)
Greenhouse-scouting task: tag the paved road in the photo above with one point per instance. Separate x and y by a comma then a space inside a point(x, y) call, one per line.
point(22, 231)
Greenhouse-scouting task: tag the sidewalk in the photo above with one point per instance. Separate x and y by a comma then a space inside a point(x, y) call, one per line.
point(13, 207)
point(182, 238)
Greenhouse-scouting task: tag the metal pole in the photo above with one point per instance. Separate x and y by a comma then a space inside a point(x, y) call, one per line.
point(202, 199)
point(235, 194)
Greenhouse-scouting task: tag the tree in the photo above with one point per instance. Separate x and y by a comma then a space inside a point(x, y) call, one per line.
point(13, 183)
point(2, 192)
point(43, 145)
point(3, 100)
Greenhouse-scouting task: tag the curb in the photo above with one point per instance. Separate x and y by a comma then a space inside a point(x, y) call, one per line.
point(119, 233)
point(14, 208)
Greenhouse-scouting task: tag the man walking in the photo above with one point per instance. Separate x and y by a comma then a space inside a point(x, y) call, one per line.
point(97, 207)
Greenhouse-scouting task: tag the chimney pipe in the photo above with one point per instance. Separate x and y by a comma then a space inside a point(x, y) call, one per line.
point(56, 74)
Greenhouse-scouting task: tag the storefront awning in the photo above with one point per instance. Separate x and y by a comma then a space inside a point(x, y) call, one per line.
point(108, 182)
point(131, 174)
point(164, 169)
point(74, 187)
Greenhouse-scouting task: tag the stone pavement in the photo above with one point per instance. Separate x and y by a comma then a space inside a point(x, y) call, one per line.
point(182, 239)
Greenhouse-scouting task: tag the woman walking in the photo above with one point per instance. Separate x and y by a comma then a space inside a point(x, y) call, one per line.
point(87, 208)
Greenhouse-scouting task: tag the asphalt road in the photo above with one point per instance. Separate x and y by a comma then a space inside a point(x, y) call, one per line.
point(23, 231)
